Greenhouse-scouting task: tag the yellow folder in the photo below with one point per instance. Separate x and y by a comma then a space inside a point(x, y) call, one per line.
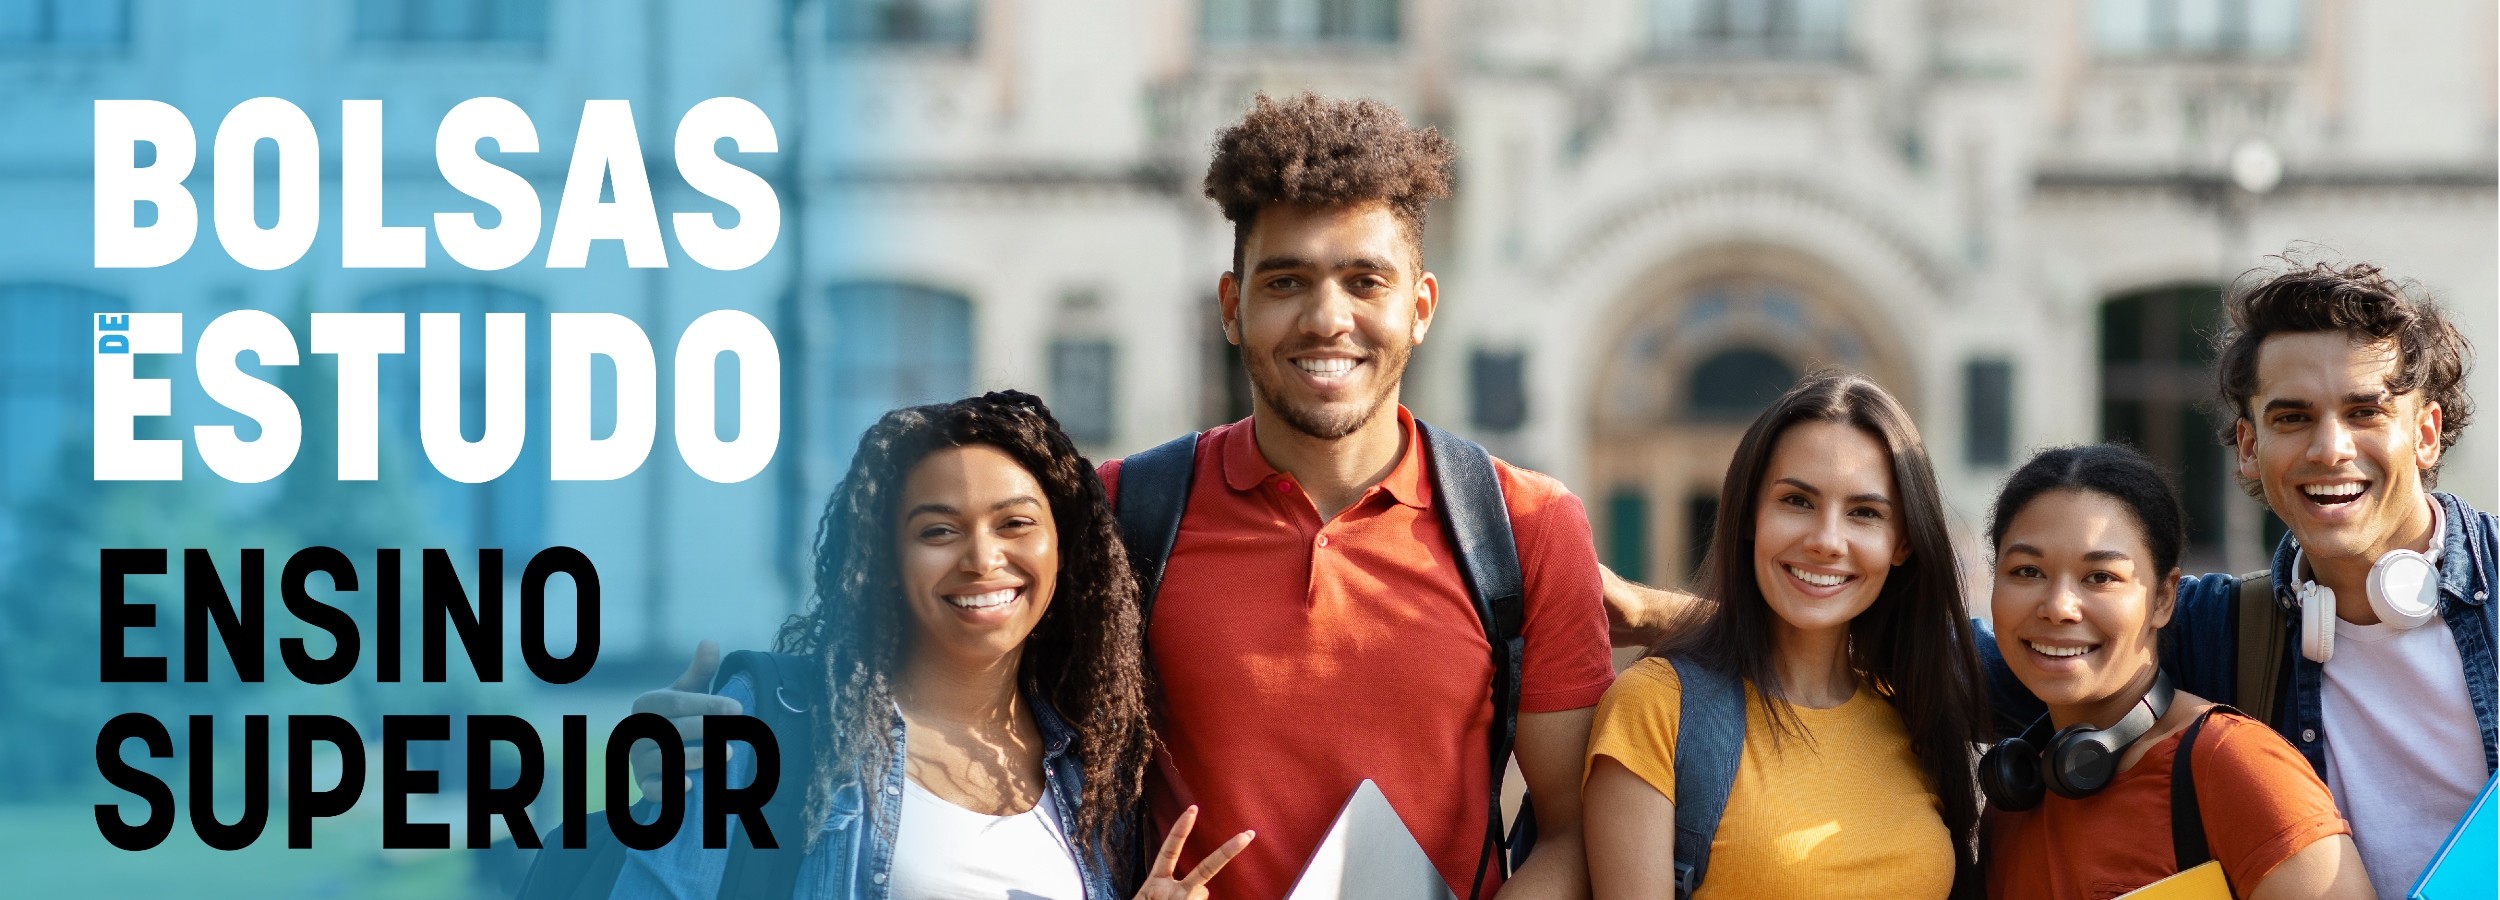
point(2204, 882)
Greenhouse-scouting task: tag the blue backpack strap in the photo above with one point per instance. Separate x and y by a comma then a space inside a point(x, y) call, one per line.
point(786, 688)
point(1154, 493)
point(1468, 492)
point(1709, 739)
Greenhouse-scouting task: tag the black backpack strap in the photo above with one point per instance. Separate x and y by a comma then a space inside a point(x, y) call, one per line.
point(2187, 821)
point(1709, 741)
point(786, 688)
point(1468, 492)
point(2260, 662)
point(1154, 493)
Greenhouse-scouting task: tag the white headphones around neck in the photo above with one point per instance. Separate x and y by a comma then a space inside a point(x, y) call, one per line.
point(2403, 587)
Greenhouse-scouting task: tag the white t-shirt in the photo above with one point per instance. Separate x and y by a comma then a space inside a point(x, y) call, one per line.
point(946, 852)
point(2404, 755)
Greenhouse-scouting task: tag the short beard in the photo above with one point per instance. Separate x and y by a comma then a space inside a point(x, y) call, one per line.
point(1320, 424)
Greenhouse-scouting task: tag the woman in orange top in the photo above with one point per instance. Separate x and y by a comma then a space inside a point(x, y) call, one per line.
point(2087, 549)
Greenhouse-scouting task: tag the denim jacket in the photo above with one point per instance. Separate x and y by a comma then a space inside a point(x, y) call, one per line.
point(854, 856)
point(2200, 645)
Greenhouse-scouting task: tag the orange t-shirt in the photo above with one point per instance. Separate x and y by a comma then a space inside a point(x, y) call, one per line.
point(1299, 658)
point(2260, 800)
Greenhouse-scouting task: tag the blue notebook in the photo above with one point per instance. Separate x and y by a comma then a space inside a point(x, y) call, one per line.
point(2468, 865)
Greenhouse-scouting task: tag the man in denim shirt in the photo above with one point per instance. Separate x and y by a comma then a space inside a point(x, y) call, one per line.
point(2346, 393)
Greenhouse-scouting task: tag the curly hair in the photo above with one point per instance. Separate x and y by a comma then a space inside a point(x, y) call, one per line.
point(2367, 306)
point(1086, 655)
point(1311, 150)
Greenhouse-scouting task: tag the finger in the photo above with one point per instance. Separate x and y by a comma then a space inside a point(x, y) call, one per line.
point(698, 676)
point(1215, 861)
point(1169, 857)
point(673, 704)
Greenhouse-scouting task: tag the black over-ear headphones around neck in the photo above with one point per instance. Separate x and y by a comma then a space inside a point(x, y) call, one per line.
point(2076, 763)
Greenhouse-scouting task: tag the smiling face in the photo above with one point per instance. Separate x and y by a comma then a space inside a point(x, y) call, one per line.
point(2077, 606)
point(1825, 527)
point(1332, 303)
point(2339, 457)
point(977, 553)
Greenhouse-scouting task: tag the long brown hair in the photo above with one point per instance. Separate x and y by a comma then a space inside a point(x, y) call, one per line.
point(1085, 655)
point(1914, 644)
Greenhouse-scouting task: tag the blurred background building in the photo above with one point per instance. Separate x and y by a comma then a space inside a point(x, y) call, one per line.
point(2017, 214)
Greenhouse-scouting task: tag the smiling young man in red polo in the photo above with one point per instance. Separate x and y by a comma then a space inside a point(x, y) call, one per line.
point(1313, 629)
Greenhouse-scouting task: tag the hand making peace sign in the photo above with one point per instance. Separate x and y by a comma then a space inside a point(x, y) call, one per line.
point(1159, 882)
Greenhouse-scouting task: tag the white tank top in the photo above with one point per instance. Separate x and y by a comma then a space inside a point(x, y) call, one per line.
point(946, 852)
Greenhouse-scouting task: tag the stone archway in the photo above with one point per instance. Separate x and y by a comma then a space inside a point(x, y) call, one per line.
point(1707, 341)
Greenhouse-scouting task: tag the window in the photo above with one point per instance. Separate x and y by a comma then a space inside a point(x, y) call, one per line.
point(1988, 412)
point(1627, 533)
point(1299, 21)
point(891, 345)
point(452, 21)
point(904, 23)
point(1813, 29)
point(1736, 384)
point(509, 511)
point(1498, 386)
point(47, 380)
point(2157, 375)
point(64, 23)
point(2139, 29)
point(1082, 371)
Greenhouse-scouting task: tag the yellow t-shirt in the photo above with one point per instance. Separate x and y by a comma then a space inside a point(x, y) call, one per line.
point(1850, 815)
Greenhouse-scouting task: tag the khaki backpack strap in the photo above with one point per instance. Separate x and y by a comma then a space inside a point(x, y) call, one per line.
point(2260, 642)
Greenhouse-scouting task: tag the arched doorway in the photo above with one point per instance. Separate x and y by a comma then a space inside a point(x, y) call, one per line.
point(1704, 348)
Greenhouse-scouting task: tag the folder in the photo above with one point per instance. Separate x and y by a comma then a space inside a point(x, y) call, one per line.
point(1369, 855)
point(2204, 882)
point(2468, 865)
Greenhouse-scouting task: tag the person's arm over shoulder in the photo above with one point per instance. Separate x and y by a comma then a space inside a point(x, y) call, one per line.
point(683, 869)
point(1568, 661)
point(2200, 646)
point(2268, 819)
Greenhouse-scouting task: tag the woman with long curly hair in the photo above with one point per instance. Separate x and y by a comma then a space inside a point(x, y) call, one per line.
point(1840, 616)
point(983, 730)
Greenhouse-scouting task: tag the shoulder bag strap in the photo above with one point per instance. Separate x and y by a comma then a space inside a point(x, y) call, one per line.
point(1468, 492)
point(2260, 653)
point(1709, 740)
point(1154, 493)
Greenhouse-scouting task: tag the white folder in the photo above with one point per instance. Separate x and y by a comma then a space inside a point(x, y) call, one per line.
point(1369, 855)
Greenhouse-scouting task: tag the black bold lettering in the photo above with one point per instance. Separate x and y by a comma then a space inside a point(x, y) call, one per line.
point(386, 615)
point(576, 779)
point(303, 804)
point(534, 653)
point(245, 830)
point(656, 729)
point(720, 801)
point(239, 625)
point(480, 627)
point(512, 802)
point(115, 665)
point(398, 781)
point(300, 604)
point(118, 773)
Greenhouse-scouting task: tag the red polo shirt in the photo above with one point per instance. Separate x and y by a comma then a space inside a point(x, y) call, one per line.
point(1299, 657)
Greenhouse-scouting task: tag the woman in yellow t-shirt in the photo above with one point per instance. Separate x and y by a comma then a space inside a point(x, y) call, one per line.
point(1840, 611)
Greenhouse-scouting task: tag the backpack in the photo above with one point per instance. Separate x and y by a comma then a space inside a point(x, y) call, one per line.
point(590, 873)
point(1154, 495)
point(1710, 739)
point(2260, 662)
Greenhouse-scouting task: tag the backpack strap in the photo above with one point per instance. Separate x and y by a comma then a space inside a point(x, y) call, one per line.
point(1468, 492)
point(2187, 822)
point(785, 689)
point(1709, 740)
point(1154, 493)
point(2259, 680)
